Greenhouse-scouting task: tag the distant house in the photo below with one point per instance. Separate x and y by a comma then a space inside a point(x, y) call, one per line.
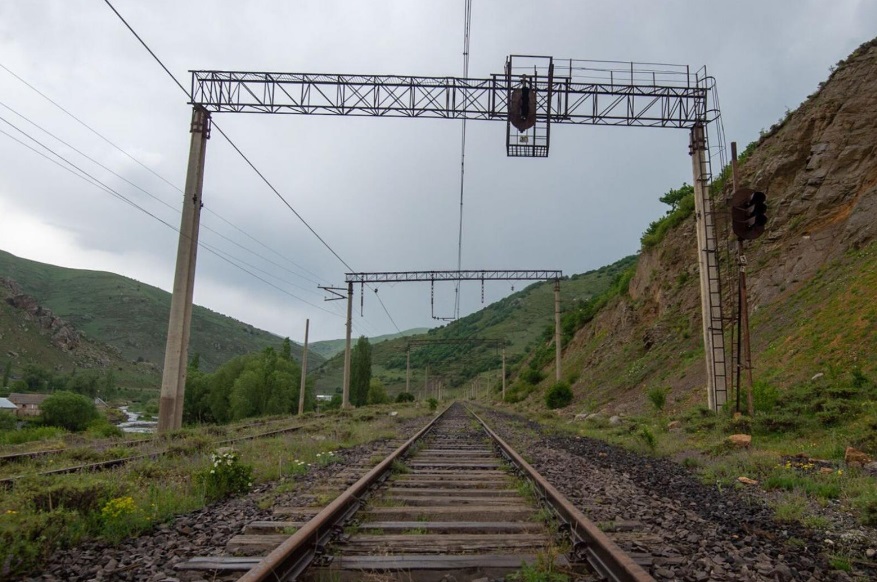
point(6, 404)
point(27, 404)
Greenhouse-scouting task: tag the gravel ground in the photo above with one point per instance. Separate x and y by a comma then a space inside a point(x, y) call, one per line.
point(694, 532)
point(151, 557)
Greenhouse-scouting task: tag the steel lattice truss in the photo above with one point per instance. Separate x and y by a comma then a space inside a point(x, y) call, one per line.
point(496, 343)
point(404, 276)
point(647, 102)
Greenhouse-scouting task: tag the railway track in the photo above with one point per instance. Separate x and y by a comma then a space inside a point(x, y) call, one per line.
point(462, 505)
point(8, 482)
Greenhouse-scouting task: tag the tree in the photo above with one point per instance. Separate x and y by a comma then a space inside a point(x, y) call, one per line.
point(85, 383)
point(360, 371)
point(68, 410)
point(675, 196)
point(36, 377)
point(286, 349)
point(377, 394)
point(7, 370)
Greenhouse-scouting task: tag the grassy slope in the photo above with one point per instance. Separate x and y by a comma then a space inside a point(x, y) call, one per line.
point(130, 315)
point(519, 319)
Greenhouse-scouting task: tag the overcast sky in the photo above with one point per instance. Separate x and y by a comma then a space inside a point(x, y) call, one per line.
point(384, 193)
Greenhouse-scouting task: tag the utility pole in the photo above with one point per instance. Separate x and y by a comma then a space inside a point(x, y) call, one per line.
point(304, 370)
point(426, 382)
point(408, 371)
point(708, 268)
point(345, 395)
point(503, 374)
point(557, 350)
point(173, 381)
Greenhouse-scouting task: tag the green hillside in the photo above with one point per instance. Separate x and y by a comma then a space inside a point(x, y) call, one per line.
point(520, 320)
point(132, 316)
point(328, 348)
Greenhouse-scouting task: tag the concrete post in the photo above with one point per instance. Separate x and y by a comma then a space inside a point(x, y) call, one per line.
point(557, 347)
point(345, 398)
point(503, 374)
point(708, 264)
point(173, 381)
point(304, 370)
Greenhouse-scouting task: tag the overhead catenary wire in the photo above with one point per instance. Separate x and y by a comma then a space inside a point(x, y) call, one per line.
point(237, 149)
point(82, 174)
point(156, 174)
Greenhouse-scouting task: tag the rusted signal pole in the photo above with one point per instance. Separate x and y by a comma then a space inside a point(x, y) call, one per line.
point(744, 354)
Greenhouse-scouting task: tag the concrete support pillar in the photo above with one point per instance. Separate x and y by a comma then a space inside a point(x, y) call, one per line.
point(557, 346)
point(408, 371)
point(503, 374)
point(708, 264)
point(173, 381)
point(304, 370)
point(345, 399)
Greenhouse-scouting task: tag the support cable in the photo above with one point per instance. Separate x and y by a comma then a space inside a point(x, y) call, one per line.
point(84, 175)
point(467, 22)
point(151, 171)
point(231, 143)
point(160, 201)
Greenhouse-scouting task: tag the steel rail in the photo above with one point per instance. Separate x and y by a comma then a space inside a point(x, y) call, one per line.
point(602, 553)
point(7, 482)
point(293, 556)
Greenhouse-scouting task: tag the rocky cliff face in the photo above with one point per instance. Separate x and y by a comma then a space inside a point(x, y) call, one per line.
point(818, 167)
point(63, 335)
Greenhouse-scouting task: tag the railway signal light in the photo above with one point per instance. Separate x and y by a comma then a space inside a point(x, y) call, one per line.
point(748, 213)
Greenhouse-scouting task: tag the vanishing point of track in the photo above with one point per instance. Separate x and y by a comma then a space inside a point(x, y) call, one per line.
point(454, 500)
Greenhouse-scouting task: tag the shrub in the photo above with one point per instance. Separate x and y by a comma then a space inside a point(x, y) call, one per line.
point(101, 427)
point(764, 396)
point(648, 438)
point(658, 397)
point(405, 397)
point(34, 433)
point(377, 394)
point(226, 475)
point(531, 376)
point(433, 403)
point(68, 410)
point(120, 517)
point(559, 395)
point(333, 404)
point(7, 421)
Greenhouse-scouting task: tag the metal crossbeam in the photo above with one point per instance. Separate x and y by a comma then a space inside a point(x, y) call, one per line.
point(651, 100)
point(497, 343)
point(404, 276)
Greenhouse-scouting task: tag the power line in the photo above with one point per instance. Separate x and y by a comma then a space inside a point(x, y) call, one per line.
point(96, 162)
point(154, 173)
point(96, 182)
point(237, 149)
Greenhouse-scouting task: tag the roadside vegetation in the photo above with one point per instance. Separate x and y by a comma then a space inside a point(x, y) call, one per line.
point(42, 513)
point(799, 440)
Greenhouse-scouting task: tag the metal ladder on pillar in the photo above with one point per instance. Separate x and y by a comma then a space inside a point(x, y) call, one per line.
point(715, 324)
